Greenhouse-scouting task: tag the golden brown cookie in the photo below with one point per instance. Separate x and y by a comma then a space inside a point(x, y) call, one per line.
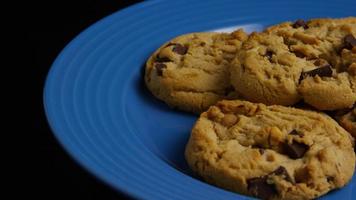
point(301, 60)
point(348, 121)
point(319, 38)
point(191, 73)
point(328, 42)
point(270, 152)
point(266, 71)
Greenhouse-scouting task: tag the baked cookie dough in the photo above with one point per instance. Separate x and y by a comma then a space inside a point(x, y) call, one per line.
point(348, 121)
point(191, 72)
point(270, 152)
point(300, 60)
point(332, 43)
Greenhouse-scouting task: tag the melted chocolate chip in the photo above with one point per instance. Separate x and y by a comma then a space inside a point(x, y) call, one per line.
point(163, 59)
point(300, 23)
point(159, 67)
point(259, 187)
point(349, 41)
point(295, 150)
point(281, 171)
point(180, 49)
point(324, 71)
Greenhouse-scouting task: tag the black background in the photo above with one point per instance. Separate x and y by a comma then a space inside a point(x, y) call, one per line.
point(47, 27)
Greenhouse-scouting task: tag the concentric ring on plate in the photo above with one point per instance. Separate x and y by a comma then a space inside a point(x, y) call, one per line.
point(94, 120)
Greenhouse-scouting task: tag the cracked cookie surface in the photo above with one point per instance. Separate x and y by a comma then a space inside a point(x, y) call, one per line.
point(191, 73)
point(270, 152)
point(302, 60)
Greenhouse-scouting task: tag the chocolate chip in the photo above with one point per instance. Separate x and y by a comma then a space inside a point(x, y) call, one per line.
point(159, 67)
point(294, 132)
point(330, 178)
point(163, 59)
point(324, 71)
point(299, 54)
point(302, 175)
point(349, 41)
point(262, 151)
point(259, 187)
point(180, 49)
point(170, 44)
point(281, 171)
point(300, 23)
point(317, 62)
point(269, 54)
point(295, 150)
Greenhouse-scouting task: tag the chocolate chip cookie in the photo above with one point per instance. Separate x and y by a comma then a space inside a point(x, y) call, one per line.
point(191, 73)
point(300, 60)
point(270, 152)
point(320, 38)
point(266, 71)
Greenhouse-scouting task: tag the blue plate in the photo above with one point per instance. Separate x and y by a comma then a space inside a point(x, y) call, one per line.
point(100, 111)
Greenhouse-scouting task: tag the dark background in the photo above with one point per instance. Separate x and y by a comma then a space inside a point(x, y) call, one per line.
point(47, 27)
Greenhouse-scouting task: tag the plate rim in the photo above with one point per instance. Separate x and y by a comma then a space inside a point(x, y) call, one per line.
point(49, 119)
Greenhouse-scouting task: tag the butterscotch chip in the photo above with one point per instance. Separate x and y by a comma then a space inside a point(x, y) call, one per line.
point(229, 120)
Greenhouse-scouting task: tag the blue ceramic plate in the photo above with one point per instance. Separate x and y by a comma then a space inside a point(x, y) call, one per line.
point(100, 111)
